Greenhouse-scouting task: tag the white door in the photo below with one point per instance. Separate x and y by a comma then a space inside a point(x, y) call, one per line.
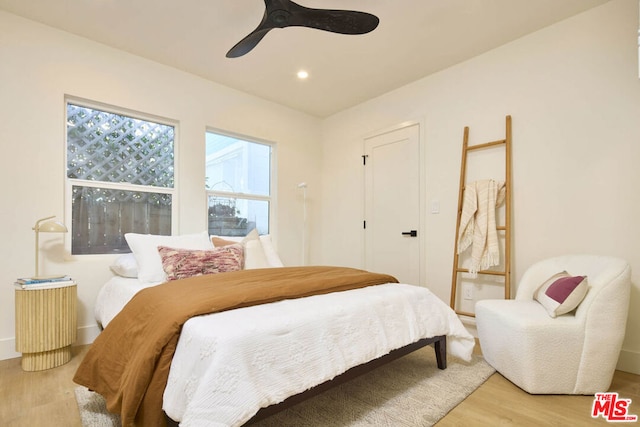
point(392, 204)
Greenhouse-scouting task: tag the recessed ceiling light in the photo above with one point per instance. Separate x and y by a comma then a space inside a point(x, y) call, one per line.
point(302, 74)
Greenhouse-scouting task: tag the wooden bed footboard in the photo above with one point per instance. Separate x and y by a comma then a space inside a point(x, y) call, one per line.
point(440, 347)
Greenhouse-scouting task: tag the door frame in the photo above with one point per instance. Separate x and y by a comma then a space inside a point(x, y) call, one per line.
point(422, 186)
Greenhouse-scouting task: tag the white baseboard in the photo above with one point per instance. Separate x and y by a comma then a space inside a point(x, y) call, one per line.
point(470, 324)
point(8, 349)
point(629, 361)
point(86, 335)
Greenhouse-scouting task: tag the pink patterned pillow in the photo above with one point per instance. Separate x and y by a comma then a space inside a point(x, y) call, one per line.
point(183, 263)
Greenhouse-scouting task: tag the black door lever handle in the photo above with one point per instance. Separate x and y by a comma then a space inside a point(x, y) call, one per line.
point(412, 233)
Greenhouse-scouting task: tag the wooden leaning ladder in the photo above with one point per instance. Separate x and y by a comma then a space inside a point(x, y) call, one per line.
point(506, 228)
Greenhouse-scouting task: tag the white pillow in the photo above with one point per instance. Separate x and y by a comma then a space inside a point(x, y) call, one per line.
point(270, 251)
point(259, 250)
point(125, 265)
point(145, 249)
point(254, 256)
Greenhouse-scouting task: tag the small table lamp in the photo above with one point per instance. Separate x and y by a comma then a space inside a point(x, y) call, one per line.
point(46, 227)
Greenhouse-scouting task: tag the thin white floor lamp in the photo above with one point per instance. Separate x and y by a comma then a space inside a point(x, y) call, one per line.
point(303, 185)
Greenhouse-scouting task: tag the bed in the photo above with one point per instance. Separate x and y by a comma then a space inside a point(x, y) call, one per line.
point(230, 365)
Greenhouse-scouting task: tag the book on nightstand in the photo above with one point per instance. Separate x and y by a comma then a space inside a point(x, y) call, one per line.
point(44, 283)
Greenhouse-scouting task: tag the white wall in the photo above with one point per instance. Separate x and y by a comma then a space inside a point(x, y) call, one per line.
point(572, 89)
point(574, 95)
point(38, 67)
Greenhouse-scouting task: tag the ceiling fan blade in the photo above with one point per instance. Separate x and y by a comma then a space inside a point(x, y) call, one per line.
point(336, 21)
point(286, 13)
point(245, 45)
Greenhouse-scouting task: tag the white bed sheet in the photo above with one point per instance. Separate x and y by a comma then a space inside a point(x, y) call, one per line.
point(114, 295)
point(228, 365)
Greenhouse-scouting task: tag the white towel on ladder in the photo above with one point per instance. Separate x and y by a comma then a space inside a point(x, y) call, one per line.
point(478, 223)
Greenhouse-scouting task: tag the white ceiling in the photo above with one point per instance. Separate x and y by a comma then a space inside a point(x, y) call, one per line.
point(415, 38)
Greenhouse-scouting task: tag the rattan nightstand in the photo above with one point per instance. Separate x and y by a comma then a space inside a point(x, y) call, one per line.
point(46, 318)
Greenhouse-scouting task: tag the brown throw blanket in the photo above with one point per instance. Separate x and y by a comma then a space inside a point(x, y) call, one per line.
point(129, 361)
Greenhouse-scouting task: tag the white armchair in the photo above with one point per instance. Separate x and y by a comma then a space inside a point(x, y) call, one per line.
point(575, 353)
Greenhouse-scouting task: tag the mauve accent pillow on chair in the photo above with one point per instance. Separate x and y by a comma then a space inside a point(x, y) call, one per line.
point(562, 293)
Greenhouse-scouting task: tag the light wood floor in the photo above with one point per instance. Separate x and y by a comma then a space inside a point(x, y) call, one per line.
point(46, 399)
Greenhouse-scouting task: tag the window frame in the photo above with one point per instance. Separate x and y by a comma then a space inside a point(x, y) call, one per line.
point(69, 183)
point(271, 199)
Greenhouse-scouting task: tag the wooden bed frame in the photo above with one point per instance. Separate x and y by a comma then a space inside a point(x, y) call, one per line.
point(440, 347)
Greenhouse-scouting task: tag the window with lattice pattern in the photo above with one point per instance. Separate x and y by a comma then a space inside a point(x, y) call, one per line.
point(120, 175)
